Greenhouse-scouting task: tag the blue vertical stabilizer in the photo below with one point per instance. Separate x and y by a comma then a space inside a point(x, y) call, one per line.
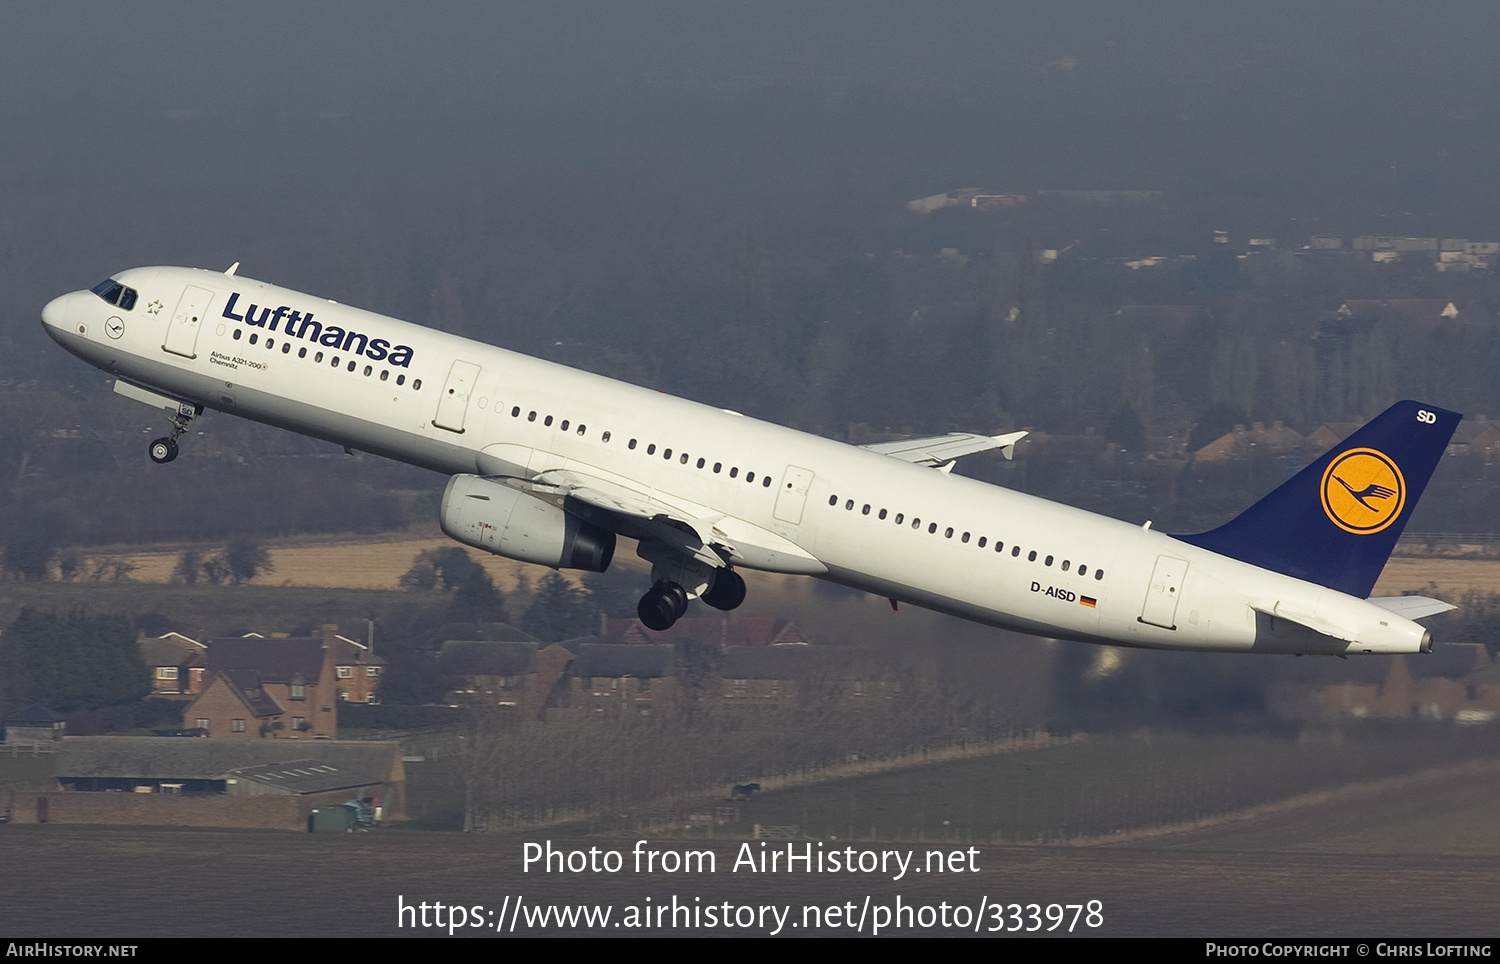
point(1336, 522)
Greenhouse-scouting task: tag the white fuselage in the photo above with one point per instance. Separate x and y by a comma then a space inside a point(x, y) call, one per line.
point(457, 406)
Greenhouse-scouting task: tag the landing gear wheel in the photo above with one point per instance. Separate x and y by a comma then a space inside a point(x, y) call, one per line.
point(662, 605)
point(728, 590)
point(164, 450)
point(679, 599)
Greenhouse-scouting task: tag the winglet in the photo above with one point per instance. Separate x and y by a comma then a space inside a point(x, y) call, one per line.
point(1335, 522)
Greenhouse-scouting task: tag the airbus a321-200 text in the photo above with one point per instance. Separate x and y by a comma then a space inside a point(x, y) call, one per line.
point(550, 465)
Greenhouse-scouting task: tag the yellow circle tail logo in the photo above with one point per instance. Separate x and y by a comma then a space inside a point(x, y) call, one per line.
point(1363, 491)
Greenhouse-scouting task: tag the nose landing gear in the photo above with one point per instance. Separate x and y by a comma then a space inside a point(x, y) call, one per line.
point(164, 450)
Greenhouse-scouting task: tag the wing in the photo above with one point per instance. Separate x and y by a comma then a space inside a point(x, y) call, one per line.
point(692, 536)
point(716, 541)
point(936, 450)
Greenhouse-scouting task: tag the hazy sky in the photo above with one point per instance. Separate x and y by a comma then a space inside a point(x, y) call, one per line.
point(269, 106)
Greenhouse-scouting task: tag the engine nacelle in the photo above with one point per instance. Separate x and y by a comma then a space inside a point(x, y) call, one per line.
point(497, 518)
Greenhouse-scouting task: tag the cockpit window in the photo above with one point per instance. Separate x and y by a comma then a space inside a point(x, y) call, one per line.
point(115, 293)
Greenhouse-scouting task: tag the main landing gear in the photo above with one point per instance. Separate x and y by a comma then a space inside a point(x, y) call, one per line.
point(164, 450)
point(666, 601)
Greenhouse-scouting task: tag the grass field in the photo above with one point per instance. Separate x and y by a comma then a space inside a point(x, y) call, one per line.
point(1449, 576)
point(354, 564)
point(1124, 788)
point(379, 563)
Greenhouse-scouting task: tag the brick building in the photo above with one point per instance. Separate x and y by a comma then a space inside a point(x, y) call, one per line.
point(278, 688)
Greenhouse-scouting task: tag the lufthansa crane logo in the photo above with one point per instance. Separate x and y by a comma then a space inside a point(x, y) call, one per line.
point(1363, 491)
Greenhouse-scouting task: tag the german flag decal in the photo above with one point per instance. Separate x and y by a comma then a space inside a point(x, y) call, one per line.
point(1088, 601)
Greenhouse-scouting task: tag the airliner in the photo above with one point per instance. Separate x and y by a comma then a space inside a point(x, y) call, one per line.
point(551, 465)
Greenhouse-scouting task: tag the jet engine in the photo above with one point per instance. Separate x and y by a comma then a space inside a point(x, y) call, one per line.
point(494, 517)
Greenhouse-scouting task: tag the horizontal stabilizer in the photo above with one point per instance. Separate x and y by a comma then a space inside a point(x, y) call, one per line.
point(938, 449)
point(1412, 607)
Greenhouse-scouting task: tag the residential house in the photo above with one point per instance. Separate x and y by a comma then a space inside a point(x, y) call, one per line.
point(357, 671)
point(1457, 681)
point(785, 676)
point(176, 662)
point(714, 630)
point(519, 674)
point(624, 677)
point(1241, 443)
point(279, 687)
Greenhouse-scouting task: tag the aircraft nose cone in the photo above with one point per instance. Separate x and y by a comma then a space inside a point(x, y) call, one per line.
point(55, 312)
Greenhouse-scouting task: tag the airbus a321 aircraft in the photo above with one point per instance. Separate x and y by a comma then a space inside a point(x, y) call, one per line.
point(549, 465)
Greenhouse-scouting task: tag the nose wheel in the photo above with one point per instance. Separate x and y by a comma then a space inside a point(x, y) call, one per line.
point(163, 450)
